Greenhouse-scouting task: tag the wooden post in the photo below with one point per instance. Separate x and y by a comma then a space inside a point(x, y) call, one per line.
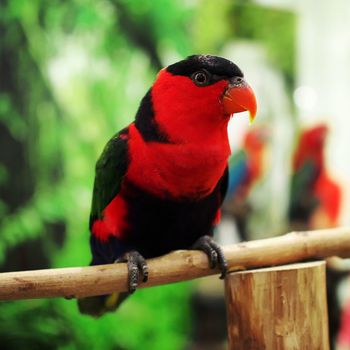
point(279, 308)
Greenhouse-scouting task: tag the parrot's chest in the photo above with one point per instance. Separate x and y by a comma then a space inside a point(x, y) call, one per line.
point(178, 172)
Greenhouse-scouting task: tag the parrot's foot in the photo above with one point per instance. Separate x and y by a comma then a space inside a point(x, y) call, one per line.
point(214, 252)
point(136, 264)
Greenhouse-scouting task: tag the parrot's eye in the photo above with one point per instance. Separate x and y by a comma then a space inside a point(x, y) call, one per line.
point(200, 78)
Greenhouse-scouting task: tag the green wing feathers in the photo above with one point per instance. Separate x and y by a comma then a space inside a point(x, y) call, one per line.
point(110, 170)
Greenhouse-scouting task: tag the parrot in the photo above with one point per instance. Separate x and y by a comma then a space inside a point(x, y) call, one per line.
point(315, 203)
point(315, 200)
point(160, 181)
point(245, 169)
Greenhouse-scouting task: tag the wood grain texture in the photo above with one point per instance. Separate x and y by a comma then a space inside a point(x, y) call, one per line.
point(279, 308)
point(174, 267)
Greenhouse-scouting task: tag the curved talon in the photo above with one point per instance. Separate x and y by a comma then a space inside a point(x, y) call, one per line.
point(221, 260)
point(213, 258)
point(142, 265)
point(224, 269)
point(214, 252)
point(145, 273)
point(136, 263)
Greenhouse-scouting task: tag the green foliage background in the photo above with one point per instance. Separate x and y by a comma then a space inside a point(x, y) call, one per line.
point(71, 74)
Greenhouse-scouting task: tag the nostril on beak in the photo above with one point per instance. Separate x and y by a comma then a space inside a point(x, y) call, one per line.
point(238, 81)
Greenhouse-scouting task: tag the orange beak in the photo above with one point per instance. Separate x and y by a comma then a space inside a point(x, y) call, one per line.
point(239, 97)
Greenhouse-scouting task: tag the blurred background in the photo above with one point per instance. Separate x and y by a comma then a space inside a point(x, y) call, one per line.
point(73, 72)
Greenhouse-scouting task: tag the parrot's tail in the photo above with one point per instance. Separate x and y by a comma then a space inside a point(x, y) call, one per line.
point(99, 305)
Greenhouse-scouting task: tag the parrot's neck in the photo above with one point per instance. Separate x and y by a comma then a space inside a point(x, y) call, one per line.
point(186, 170)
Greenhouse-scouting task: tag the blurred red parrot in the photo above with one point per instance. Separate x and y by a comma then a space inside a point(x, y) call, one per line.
point(315, 203)
point(315, 200)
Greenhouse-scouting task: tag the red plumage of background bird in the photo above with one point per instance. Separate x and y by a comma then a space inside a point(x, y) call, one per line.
point(315, 203)
point(315, 196)
point(160, 182)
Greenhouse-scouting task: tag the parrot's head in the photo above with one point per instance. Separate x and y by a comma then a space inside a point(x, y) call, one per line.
point(314, 137)
point(311, 146)
point(195, 98)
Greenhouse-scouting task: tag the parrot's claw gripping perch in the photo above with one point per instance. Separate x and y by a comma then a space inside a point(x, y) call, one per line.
point(214, 252)
point(136, 264)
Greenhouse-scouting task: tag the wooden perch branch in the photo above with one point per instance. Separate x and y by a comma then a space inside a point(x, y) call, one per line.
point(177, 266)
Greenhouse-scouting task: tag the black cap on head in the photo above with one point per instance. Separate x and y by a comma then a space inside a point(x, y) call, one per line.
point(217, 66)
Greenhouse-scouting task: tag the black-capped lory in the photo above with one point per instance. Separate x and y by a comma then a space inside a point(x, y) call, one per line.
point(160, 182)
